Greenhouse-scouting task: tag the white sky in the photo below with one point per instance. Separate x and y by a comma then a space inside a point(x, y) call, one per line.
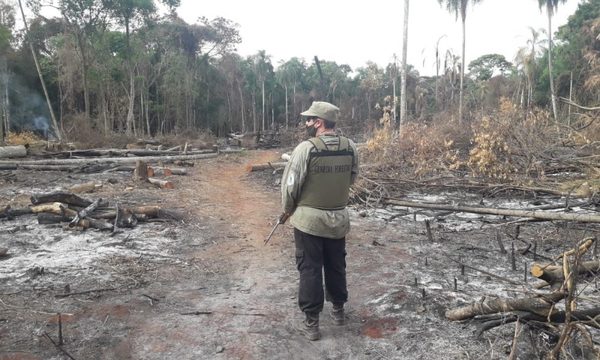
point(354, 32)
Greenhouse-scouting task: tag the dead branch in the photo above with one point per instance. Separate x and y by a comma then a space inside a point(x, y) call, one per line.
point(84, 213)
point(536, 214)
point(572, 103)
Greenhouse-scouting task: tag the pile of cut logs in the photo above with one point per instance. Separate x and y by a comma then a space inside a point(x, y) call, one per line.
point(80, 213)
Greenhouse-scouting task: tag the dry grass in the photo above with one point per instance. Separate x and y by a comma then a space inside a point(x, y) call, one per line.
point(507, 145)
point(23, 138)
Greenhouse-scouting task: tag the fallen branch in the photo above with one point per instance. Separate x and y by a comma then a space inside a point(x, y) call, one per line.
point(539, 305)
point(84, 213)
point(535, 214)
point(570, 102)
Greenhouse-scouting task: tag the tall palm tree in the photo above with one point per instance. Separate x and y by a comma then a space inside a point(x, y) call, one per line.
point(551, 7)
point(526, 60)
point(459, 7)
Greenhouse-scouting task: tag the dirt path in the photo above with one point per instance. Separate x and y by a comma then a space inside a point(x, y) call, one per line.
point(210, 289)
point(250, 289)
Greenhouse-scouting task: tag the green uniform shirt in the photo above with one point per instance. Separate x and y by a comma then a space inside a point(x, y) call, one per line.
point(333, 224)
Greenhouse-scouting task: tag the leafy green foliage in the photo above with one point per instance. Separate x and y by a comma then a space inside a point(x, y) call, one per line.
point(486, 66)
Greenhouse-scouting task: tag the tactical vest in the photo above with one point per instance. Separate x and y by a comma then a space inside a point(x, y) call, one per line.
point(327, 182)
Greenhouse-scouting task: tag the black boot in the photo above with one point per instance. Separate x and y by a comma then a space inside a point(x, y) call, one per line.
point(309, 327)
point(337, 314)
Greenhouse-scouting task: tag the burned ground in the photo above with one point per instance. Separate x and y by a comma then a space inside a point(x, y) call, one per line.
point(207, 287)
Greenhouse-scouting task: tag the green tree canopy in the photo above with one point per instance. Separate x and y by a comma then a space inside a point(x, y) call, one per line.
point(486, 66)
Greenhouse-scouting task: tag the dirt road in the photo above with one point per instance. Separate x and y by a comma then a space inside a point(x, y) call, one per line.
point(210, 289)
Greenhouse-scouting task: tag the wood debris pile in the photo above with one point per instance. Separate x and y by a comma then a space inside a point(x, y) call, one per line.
point(564, 312)
point(80, 213)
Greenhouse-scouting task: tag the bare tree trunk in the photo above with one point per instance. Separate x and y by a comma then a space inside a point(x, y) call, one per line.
point(253, 111)
point(129, 122)
point(462, 72)
point(229, 121)
point(243, 110)
point(39, 71)
point(3, 102)
point(552, 93)
point(263, 105)
point(570, 96)
point(404, 67)
point(84, 68)
point(287, 115)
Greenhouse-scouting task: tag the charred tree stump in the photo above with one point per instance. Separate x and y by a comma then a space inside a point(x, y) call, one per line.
point(140, 173)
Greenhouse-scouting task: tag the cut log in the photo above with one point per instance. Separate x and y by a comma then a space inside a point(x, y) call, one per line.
point(56, 208)
point(11, 213)
point(163, 184)
point(535, 214)
point(157, 170)
point(60, 196)
point(117, 160)
point(554, 273)
point(166, 171)
point(13, 151)
point(61, 210)
point(87, 187)
point(48, 218)
point(267, 166)
point(537, 305)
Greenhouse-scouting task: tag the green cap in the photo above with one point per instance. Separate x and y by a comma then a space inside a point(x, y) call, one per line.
point(323, 110)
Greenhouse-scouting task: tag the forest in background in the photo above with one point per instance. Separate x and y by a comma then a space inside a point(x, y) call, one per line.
point(115, 67)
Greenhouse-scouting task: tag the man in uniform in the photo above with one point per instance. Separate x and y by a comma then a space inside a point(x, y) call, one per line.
point(315, 189)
